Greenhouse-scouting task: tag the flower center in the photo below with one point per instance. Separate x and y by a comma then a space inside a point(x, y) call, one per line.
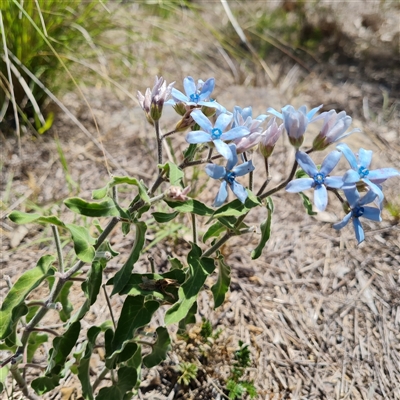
point(215, 133)
point(230, 177)
point(363, 172)
point(358, 212)
point(194, 97)
point(319, 178)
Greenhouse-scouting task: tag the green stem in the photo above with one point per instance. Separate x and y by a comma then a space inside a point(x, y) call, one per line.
point(101, 376)
point(159, 142)
point(267, 181)
point(22, 383)
point(218, 244)
point(194, 228)
point(109, 306)
point(59, 249)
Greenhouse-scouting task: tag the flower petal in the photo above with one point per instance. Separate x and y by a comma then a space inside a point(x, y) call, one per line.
point(189, 85)
point(343, 222)
point(350, 157)
point(244, 168)
point(358, 230)
point(330, 162)
point(202, 120)
point(179, 96)
point(335, 182)
point(375, 188)
point(372, 213)
point(351, 176)
point(274, 112)
point(198, 137)
point(299, 185)
point(320, 197)
point(239, 190)
point(215, 171)
point(213, 104)
point(235, 133)
point(365, 157)
point(352, 196)
point(223, 149)
point(207, 88)
point(234, 158)
point(312, 112)
point(222, 194)
point(368, 198)
point(306, 163)
point(223, 121)
point(382, 174)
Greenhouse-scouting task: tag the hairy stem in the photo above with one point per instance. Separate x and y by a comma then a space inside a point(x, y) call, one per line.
point(101, 376)
point(109, 306)
point(22, 383)
point(159, 142)
point(59, 249)
point(194, 228)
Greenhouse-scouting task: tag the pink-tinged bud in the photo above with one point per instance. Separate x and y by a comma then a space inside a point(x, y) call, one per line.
point(175, 193)
point(145, 103)
point(185, 122)
point(180, 108)
point(247, 142)
point(269, 138)
point(333, 129)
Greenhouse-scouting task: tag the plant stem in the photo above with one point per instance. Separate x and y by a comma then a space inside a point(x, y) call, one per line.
point(101, 376)
point(159, 142)
point(109, 306)
point(59, 249)
point(194, 228)
point(218, 244)
point(22, 383)
point(167, 134)
point(267, 181)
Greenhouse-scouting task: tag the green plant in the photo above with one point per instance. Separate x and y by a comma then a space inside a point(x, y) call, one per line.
point(235, 385)
point(188, 372)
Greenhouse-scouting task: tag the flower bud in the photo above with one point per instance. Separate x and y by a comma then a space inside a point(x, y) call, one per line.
point(269, 138)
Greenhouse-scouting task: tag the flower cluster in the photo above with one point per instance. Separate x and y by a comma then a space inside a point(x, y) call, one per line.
point(237, 132)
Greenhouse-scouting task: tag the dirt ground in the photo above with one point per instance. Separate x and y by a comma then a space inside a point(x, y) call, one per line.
point(320, 314)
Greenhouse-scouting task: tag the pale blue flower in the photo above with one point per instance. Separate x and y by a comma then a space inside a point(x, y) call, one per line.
point(196, 95)
point(215, 134)
point(228, 175)
point(358, 210)
point(360, 172)
point(296, 121)
point(319, 180)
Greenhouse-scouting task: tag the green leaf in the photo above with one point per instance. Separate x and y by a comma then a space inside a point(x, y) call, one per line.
point(214, 231)
point(83, 242)
point(265, 228)
point(307, 204)
point(135, 313)
point(44, 384)
point(189, 153)
point(190, 206)
point(136, 362)
point(122, 276)
point(3, 376)
point(199, 269)
point(220, 287)
point(160, 348)
point(174, 173)
point(175, 263)
point(62, 347)
point(189, 319)
point(84, 364)
point(164, 217)
point(36, 339)
point(105, 208)
point(128, 352)
point(127, 378)
point(119, 180)
point(91, 288)
point(26, 218)
point(27, 282)
point(236, 208)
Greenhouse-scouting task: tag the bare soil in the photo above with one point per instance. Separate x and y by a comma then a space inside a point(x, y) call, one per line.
point(321, 315)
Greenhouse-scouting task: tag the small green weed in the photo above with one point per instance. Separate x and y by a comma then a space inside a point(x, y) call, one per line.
point(188, 373)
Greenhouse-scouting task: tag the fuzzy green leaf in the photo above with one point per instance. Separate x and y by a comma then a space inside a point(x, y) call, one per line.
point(83, 242)
point(214, 231)
point(26, 218)
point(36, 339)
point(220, 287)
point(190, 206)
point(27, 282)
point(84, 364)
point(199, 269)
point(236, 208)
point(265, 228)
point(44, 384)
point(135, 313)
point(122, 276)
point(164, 217)
point(63, 298)
point(160, 348)
point(174, 173)
point(127, 378)
point(307, 204)
point(105, 208)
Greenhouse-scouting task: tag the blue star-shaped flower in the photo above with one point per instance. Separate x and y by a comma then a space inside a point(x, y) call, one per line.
point(360, 172)
point(318, 180)
point(358, 210)
point(215, 133)
point(196, 95)
point(229, 174)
